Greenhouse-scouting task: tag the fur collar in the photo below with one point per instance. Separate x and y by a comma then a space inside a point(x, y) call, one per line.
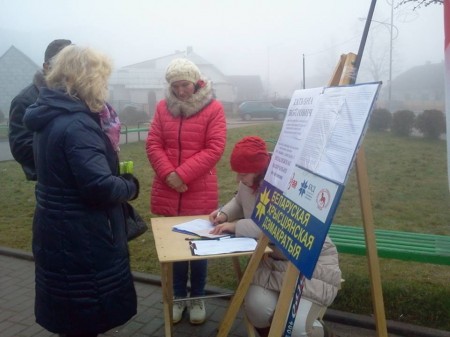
point(188, 108)
point(39, 79)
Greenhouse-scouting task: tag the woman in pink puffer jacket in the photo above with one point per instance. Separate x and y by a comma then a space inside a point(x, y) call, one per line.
point(186, 139)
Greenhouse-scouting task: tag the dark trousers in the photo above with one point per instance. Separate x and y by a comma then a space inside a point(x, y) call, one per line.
point(197, 276)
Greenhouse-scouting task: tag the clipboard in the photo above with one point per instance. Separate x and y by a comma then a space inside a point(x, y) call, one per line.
point(222, 246)
point(198, 227)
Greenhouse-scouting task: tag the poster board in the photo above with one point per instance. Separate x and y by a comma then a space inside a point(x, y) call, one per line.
point(343, 74)
point(310, 164)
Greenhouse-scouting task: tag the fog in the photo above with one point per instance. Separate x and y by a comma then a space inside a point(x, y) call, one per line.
point(244, 37)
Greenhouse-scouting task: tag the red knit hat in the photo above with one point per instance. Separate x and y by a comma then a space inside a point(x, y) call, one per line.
point(250, 155)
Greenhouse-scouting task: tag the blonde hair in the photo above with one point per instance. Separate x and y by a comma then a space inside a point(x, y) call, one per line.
point(82, 73)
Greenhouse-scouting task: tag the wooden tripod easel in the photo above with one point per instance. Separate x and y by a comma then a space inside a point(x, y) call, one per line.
point(345, 68)
point(341, 76)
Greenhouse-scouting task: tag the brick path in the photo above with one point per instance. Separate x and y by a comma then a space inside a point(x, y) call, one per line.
point(17, 316)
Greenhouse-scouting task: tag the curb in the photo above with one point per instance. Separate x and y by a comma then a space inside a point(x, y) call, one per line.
point(341, 317)
point(368, 322)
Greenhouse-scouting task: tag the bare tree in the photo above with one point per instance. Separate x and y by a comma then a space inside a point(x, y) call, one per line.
point(420, 3)
point(376, 60)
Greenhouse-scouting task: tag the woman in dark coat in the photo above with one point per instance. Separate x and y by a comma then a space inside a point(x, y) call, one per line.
point(84, 284)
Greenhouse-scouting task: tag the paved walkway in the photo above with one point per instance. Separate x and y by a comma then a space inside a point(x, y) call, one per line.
point(17, 316)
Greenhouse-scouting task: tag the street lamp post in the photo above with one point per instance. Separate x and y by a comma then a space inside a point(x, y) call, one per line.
point(390, 55)
point(268, 72)
point(304, 78)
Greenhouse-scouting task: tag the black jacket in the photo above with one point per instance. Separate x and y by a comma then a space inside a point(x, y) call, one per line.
point(83, 278)
point(20, 138)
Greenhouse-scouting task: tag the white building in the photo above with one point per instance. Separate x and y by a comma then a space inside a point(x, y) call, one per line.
point(143, 84)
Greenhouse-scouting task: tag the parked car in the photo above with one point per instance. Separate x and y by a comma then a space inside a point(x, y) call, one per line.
point(260, 109)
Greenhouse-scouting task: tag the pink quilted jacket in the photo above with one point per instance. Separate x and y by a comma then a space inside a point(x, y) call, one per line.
point(191, 146)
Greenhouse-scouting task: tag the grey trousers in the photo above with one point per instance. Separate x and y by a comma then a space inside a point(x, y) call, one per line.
point(260, 304)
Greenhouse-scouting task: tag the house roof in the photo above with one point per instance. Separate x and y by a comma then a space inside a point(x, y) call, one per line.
point(16, 72)
point(429, 75)
point(14, 54)
point(151, 73)
point(188, 54)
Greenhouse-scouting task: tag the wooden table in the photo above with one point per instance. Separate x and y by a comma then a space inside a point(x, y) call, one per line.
point(172, 247)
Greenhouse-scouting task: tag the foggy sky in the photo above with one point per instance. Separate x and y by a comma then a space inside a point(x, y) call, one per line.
point(244, 37)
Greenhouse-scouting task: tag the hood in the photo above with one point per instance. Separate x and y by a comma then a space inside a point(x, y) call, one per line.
point(201, 98)
point(50, 104)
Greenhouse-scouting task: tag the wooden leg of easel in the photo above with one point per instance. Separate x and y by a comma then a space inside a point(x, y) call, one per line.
point(238, 270)
point(284, 301)
point(238, 298)
point(167, 296)
point(237, 267)
point(372, 254)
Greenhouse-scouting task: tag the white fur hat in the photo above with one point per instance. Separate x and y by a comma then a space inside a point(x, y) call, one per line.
point(182, 69)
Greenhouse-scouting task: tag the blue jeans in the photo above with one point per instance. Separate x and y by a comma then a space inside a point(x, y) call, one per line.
point(197, 277)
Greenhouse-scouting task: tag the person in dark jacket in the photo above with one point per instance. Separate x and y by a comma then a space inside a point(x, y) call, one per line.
point(20, 138)
point(84, 284)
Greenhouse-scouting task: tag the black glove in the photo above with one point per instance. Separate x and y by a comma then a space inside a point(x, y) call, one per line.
point(132, 178)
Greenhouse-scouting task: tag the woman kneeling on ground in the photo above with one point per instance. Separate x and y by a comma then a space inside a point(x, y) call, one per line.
point(250, 160)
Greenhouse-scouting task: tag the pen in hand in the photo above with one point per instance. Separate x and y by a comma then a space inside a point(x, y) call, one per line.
point(216, 219)
point(219, 212)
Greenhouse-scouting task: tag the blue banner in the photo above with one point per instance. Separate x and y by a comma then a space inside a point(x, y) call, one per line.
point(295, 231)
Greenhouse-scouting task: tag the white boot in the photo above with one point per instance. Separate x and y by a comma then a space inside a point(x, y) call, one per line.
point(177, 312)
point(197, 312)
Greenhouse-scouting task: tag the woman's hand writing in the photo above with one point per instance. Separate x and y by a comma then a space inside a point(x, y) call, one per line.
point(226, 227)
point(217, 217)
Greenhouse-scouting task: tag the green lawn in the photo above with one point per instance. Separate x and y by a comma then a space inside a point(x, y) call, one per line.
point(408, 189)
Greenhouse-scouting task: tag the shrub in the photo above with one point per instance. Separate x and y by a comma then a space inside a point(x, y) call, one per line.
point(131, 115)
point(431, 123)
point(380, 120)
point(403, 122)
